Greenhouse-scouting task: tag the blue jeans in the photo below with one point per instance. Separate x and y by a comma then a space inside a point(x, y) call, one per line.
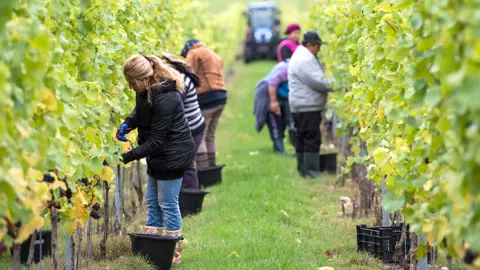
point(162, 203)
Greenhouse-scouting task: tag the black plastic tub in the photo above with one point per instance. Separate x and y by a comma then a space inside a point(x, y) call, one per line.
point(157, 249)
point(210, 176)
point(328, 163)
point(42, 248)
point(191, 201)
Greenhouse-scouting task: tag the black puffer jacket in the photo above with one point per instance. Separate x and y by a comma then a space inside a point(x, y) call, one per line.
point(163, 133)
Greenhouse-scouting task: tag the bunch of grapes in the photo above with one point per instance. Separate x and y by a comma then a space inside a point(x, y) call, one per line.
point(94, 213)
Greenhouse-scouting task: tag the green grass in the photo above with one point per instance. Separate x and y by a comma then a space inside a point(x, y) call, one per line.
point(244, 215)
point(263, 216)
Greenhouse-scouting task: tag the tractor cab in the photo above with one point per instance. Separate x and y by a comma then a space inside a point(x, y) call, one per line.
point(263, 36)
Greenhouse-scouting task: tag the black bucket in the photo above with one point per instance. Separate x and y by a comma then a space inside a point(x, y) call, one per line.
point(328, 163)
point(157, 249)
point(191, 201)
point(42, 249)
point(210, 176)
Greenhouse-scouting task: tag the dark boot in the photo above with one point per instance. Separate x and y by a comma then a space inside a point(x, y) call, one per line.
point(312, 164)
point(279, 148)
point(301, 164)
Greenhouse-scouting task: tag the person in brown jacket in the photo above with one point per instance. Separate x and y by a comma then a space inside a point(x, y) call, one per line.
point(212, 95)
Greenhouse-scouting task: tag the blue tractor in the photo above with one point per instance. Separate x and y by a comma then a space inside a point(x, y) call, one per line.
point(263, 35)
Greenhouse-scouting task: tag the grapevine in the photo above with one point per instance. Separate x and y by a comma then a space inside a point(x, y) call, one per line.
point(412, 70)
point(63, 95)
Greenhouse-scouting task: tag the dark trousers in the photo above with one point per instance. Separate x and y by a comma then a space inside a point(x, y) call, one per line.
point(278, 123)
point(190, 178)
point(308, 137)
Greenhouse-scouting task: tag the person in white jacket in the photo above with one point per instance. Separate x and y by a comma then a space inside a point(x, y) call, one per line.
point(307, 98)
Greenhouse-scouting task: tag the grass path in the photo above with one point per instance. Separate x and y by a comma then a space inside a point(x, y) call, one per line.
point(264, 216)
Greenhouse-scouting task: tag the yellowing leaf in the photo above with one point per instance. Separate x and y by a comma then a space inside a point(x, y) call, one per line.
point(35, 175)
point(384, 6)
point(59, 184)
point(32, 161)
point(24, 132)
point(107, 174)
point(79, 212)
point(380, 114)
point(16, 178)
point(427, 225)
point(442, 226)
point(90, 134)
point(3, 224)
point(428, 185)
point(380, 154)
point(125, 146)
point(401, 144)
point(27, 229)
point(431, 236)
point(70, 226)
point(80, 198)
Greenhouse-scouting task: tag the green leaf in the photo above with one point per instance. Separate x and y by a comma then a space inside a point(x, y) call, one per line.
point(41, 42)
point(90, 134)
point(7, 190)
point(417, 21)
point(422, 250)
point(392, 202)
point(468, 96)
point(433, 96)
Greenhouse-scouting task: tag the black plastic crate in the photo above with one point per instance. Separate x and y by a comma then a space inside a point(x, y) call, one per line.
point(42, 247)
point(381, 241)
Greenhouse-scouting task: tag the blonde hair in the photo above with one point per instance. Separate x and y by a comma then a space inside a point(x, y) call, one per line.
point(153, 71)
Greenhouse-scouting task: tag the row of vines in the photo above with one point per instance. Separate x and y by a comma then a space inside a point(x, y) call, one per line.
point(63, 96)
point(412, 73)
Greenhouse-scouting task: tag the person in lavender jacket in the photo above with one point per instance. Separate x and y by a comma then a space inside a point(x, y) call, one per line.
point(279, 117)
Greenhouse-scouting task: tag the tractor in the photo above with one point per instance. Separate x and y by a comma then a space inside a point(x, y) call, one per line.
point(263, 35)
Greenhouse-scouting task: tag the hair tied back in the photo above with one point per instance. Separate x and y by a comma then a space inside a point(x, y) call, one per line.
point(149, 60)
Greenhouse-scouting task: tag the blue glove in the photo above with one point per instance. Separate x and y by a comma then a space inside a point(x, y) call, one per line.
point(122, 131)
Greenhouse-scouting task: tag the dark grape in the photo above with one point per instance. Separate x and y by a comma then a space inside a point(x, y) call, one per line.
point(94, 214)
point(48, 178)
point(3, 248)
point(85, 181)
point(427, 161)
point(96, 206)
point(56, 205)
point(63, 192)
point(69, 194)
point(11, 231)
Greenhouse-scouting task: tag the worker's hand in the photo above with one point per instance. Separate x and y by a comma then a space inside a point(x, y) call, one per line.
point(122, 131)
point(275, 107)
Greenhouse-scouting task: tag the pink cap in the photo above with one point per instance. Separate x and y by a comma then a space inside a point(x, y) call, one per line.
point(292, 27)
